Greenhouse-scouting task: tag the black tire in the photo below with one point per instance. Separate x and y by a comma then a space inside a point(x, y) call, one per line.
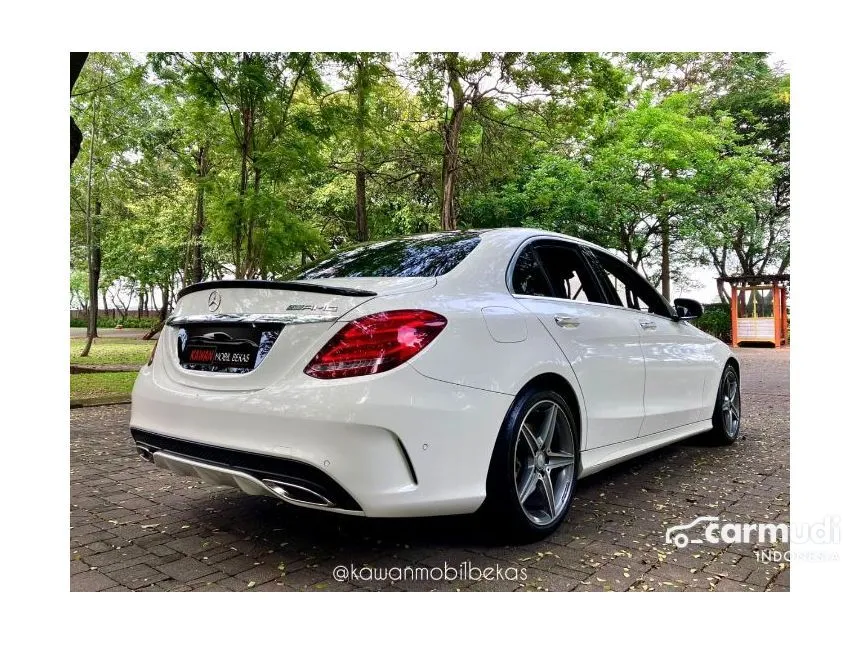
point(509, 518)
point(727, 423)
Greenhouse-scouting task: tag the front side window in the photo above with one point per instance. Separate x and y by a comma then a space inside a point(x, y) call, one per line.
point(425, 256)
point(632, 290)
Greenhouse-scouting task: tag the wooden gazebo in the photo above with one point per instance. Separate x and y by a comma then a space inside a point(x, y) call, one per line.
point(759, 309)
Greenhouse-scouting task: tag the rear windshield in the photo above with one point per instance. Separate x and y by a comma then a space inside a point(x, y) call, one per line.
point(415, 257)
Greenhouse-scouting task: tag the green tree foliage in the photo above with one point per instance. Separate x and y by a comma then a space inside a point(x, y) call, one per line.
point(109, 104)
point(744, 226)
point(459, 89)
point(249, 164)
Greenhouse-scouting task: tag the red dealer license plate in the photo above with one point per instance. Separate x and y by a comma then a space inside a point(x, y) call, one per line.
point(221, 355)
point(225, 348)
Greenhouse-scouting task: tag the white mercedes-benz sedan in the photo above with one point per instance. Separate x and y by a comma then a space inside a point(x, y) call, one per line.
point(440, 374)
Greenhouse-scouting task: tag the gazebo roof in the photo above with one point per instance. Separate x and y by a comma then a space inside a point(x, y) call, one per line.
point(756, 279)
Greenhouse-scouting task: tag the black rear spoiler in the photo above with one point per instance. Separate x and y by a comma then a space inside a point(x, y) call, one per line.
point(311, 287)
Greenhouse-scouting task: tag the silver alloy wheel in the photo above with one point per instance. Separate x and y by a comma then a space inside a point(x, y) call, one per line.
point(731, 404)
point(544, 462)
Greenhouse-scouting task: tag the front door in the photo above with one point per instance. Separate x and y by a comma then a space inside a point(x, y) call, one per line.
point(677, 358)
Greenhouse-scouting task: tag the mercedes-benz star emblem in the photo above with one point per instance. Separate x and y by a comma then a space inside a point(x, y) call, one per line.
point(214, 300)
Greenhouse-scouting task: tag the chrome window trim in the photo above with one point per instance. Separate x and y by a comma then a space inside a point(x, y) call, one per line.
point(509, 275)
point(509, 272)
point(525, 296)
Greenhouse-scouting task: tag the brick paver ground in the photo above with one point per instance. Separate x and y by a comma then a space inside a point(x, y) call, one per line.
point(136, 527)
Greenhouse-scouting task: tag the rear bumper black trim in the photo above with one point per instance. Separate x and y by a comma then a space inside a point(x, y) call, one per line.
point(256, 465)
point(274, 284)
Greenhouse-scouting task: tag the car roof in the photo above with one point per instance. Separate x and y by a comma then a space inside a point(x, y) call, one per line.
point(522, 234)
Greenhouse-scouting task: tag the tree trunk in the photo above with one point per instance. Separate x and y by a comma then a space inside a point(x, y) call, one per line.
point(450, 168)
point(92, 317)
point(251, 255)
point(199, 218)
point(451, 139)
point(165, 303)
point(105, 303)
point(664, 259)
point(361, 232)
point(721, 290)
point(239, 232)
point(94, 273)
point(162, 313)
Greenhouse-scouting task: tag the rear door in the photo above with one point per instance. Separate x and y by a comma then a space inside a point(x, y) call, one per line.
point(553, 281)
point(677, 359)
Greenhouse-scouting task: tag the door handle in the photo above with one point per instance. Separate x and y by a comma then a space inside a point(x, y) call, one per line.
point(647, 324)
point(567, 322)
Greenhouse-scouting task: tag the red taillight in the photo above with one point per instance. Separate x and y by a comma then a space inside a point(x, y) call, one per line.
point(376, 343)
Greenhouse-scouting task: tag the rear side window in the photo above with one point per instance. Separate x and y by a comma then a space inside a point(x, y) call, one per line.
point(416, 257)
point(567, 273)
point(556, 270)
point(529, 278)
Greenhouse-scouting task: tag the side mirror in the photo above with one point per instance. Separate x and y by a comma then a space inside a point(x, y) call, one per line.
point(688, 309)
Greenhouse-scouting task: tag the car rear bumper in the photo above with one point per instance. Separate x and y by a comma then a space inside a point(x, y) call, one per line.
point(285, 479)
point(396, 444)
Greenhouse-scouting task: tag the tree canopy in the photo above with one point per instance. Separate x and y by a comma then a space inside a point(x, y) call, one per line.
point(250, 164)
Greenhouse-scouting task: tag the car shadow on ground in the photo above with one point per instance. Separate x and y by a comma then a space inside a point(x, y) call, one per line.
point(277, 522)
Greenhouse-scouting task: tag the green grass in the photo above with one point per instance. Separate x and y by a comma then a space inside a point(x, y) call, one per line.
point(85, 386)
point(111, 351)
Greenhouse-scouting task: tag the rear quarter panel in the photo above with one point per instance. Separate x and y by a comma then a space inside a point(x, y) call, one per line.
point(466, 352)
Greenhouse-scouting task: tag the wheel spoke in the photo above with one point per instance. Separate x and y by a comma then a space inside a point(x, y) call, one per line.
point(528, 486)
point(547, 429)
point(531, 442)
point(549, 494)
point(559, 460)
point(731, 404)
point(546, 460)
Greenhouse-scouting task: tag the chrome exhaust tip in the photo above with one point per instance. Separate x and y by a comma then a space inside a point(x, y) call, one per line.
point(295, 493)
point(289, 492)
point(145, 453)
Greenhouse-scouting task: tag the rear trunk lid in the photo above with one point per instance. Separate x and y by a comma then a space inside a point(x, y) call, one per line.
point(244, 334)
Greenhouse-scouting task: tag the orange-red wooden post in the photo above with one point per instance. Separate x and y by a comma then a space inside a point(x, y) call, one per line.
point(734, 307)
point(776, 300)
point(784, 305)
